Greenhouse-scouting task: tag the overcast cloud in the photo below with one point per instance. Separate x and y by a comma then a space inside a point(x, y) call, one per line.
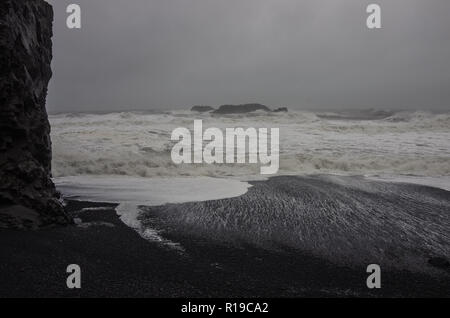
point(309, 54)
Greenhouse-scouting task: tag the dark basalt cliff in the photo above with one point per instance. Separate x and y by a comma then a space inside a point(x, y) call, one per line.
point(27, 195)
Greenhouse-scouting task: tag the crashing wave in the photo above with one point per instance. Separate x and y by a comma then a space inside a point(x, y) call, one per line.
point(138, 144)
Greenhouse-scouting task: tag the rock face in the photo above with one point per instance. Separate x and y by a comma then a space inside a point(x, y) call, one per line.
point(202, 109)
point(281, 110)
point(26, 188)
point(239, 109)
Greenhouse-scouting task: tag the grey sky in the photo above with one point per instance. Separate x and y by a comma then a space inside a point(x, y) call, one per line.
point(163, 54)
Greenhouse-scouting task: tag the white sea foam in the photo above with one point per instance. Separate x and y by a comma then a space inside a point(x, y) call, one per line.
point(138, 144)
point(145, 191)
point(125, 158)
point(435, 182)
point(132, 192)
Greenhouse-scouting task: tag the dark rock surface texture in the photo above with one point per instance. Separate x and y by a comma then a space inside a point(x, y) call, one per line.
point(27, 195)
point(281, 110)
point(239, 109)
point(202, 109)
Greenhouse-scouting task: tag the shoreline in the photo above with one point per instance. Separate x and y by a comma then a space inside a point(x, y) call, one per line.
point(117, 262)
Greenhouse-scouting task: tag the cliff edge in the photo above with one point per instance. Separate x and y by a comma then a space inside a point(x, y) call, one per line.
point(28, 197)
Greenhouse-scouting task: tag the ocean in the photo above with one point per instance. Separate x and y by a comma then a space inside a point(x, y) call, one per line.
point(352, 187)
point(138, 144)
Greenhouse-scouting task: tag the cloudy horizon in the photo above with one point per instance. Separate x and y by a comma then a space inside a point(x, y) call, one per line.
point(172, 54)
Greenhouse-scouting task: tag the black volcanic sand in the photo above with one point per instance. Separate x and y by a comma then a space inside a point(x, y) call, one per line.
point(216, 262)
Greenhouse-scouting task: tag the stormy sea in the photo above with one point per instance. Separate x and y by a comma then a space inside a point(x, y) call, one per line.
point(353, 189)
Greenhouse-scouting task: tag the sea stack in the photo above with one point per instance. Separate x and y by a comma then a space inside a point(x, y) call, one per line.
point(28, 198)
point(240, 109)
point(202, 109)
point(281, 110)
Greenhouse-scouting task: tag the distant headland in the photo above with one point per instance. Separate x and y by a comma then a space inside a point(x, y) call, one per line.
point(237, 109)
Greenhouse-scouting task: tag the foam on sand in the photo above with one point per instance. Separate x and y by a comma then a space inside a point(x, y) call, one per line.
point(435, 182)
point(351, 221)
point(132, 192)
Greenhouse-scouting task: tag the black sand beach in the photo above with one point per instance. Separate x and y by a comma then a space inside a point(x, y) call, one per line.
point(117, 262)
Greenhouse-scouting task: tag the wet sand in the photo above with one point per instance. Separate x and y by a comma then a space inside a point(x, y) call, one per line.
point(117, 262)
